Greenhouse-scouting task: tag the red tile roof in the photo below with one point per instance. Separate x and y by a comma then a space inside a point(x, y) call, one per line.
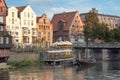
point(66, 17)
point(20, 9)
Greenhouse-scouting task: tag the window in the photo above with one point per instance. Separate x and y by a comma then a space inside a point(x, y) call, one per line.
point(39, 35)
point(16, 33)
point(12, 21)
point(0, 9)
point(12, 14)
point(28, 14)
point(17, 27)
point(28, 31)
point(1, 40)
point(61, 26)
point(1, 28)
point(44, 21)
point(17, 40)
point(1, 19)
point(48, 36)
point(7, 40)
point(32, 23)
point(28, 22)
point(24, 22)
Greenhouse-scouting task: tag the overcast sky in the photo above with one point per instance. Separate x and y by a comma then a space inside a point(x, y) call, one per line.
point(50, 7)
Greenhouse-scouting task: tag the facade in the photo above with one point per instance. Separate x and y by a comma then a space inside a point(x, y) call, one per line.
point(111, 20)
point(3, 11)
point(21, 24)
point(44, 30)
point(5, 43)
point(13, 25)
point(68, 27)
point(5, 38)
point(28, 24)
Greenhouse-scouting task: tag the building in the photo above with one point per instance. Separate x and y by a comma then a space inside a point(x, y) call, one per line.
point(5, 38)
point(44, 30)
point(3, 11)
point(67, 26)
point(13, 25)
point(112, 20)
point(21, 24)
point(5, 43)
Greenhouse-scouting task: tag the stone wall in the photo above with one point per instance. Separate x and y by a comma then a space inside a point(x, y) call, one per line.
point(23, 56)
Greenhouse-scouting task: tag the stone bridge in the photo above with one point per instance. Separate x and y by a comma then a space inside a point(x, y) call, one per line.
point(102, 51)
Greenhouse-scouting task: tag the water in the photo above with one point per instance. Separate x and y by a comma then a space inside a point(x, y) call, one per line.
point(100, 71)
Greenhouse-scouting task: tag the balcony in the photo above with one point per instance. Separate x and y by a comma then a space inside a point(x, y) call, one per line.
point(25, 34)
point(5, 46)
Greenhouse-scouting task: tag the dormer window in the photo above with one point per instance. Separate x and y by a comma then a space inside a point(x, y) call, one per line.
point(61, 24)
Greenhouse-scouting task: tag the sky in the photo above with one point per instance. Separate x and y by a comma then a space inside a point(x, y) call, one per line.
point(51, 7)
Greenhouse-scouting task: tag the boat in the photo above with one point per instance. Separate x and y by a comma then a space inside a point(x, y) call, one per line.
point(59, 54)
point(86, 61)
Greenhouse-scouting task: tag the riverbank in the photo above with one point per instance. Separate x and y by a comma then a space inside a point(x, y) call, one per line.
point(3, 66)
point(19, 60)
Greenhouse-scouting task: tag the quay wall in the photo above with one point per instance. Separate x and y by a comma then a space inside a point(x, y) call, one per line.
point(23, 56)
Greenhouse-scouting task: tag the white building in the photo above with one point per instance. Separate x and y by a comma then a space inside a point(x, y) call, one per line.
point(25, 19)
point(13, 25)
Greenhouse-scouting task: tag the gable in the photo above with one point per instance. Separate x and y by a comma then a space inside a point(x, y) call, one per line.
point(3, 4)
point(67, 17)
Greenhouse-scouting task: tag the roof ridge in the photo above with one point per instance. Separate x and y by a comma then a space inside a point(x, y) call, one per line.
point(65, 12)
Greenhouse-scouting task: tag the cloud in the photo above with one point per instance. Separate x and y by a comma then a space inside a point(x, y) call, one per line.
point(41, 2)
point(54, 10)
point(51, 7)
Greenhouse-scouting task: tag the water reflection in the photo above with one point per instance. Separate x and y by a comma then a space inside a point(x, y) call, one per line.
point(100, 71)
point(32, 75)
point(4, 75)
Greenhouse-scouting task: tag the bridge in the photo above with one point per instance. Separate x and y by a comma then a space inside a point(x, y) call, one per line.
point(102, 51)
point(97, 46)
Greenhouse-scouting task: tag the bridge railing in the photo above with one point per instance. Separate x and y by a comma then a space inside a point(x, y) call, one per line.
point(100, 45)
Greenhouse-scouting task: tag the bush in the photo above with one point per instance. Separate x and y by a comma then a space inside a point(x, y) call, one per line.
point(26, 63)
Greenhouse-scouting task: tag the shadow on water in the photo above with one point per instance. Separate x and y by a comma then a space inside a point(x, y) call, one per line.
point(83, 67)
point(4, 75)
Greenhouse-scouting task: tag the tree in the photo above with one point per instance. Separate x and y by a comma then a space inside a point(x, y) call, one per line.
point(95, 30)
point(90, 25)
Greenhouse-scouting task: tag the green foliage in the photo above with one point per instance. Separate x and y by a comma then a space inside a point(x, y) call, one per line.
point(95, 30)
point(25, 63)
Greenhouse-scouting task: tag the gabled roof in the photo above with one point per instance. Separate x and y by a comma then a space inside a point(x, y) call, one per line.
point(66, 17)
point(5, 3)
point(20, 9)
point(37, 18)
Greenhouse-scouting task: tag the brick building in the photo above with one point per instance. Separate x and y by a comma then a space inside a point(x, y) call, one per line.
point(67, 26)
point(5, 38)
point(112, 20)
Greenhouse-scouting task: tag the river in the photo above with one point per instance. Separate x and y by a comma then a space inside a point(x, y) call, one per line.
point(99, 71)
